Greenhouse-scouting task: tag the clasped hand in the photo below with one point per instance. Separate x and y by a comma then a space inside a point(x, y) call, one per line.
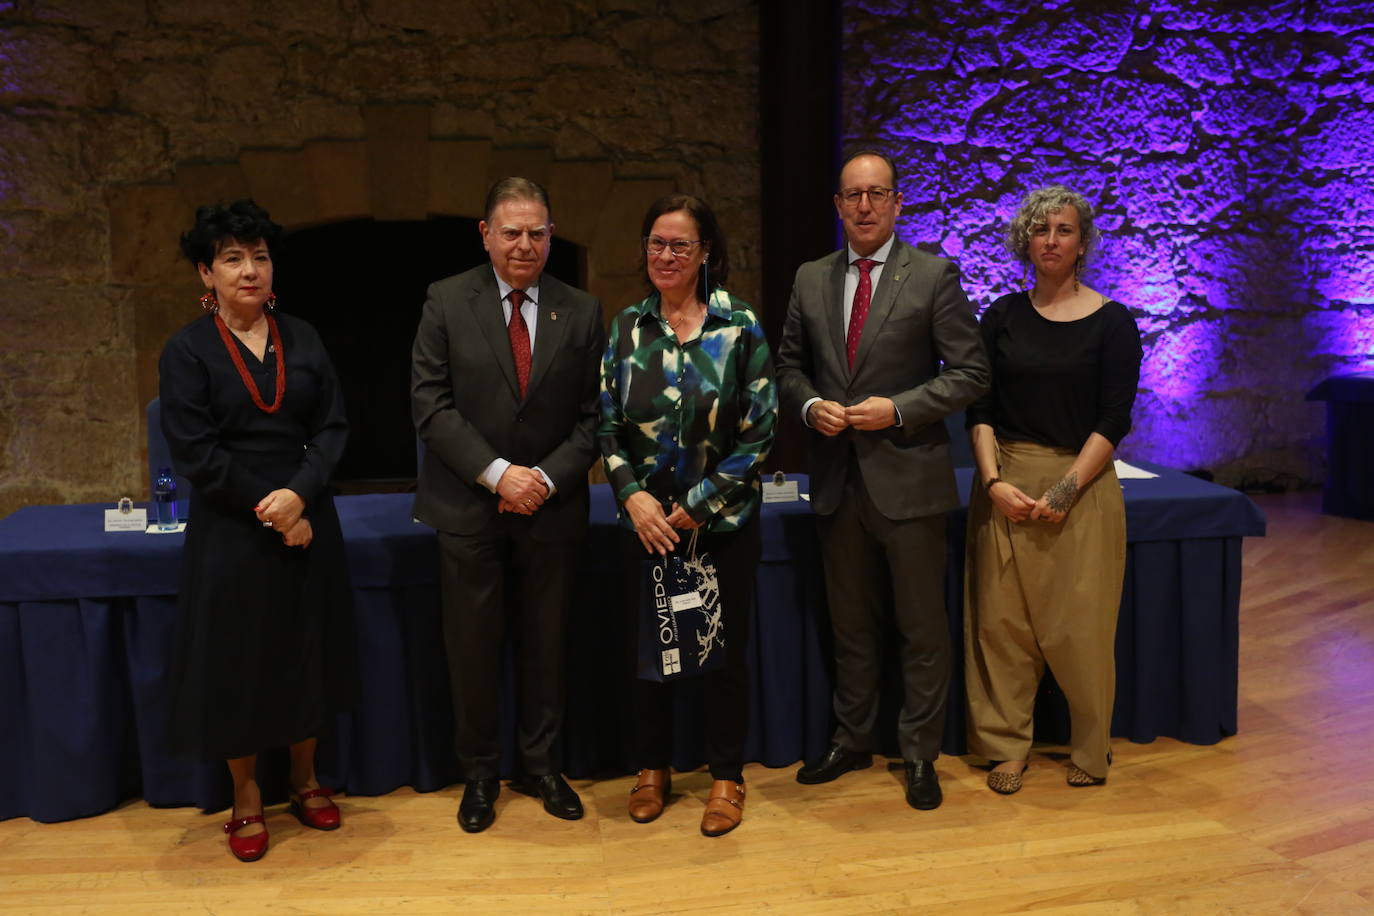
point(281, 511)
point(1052, 507)
point(1010, 501)
point(522, 490)
point(657, 531)
point(300, 535)
point(830, 418)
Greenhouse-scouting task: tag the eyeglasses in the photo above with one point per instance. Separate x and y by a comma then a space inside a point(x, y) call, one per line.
point(876, 196)
point(679, 247)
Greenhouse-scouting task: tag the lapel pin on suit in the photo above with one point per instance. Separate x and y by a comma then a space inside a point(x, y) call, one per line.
point(553, 316)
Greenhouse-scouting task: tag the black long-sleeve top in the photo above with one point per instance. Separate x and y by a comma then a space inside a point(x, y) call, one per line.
point(1058, 382)
point(230, 450)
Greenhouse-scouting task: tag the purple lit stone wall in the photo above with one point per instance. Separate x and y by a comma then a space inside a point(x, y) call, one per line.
point(1229, 149)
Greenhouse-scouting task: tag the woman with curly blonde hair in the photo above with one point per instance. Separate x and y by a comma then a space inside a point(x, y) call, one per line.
point(1047, 524)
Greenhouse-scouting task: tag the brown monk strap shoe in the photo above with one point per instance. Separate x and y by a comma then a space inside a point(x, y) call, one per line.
point(650, 794)
point(724, 809)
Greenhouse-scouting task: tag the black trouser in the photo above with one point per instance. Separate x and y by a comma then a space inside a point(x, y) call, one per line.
point(479, 616)
point(861, 547)
point(726, 690)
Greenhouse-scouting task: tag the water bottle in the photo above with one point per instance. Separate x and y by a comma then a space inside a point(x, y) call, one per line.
point(165, 498)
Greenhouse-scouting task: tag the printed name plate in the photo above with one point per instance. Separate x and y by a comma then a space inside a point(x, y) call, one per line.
point(780, 489)
point(126, 519)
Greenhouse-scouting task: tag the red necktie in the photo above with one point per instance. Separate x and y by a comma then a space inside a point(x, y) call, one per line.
point(862, 296)
point(519, 341)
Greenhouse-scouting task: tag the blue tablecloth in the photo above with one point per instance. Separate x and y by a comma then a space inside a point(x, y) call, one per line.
point(1349, 486)
point(86, 621)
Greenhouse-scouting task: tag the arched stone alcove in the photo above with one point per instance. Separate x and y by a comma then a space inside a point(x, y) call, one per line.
point(397, 171)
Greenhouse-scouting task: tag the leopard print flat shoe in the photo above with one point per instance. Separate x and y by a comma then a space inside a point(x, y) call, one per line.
point(1079, 778)
point(1004, 783)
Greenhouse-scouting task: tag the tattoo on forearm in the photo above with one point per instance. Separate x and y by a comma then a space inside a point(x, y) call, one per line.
point(1060, 496)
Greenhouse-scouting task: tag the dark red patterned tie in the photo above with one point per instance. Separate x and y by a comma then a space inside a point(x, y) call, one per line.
point(519, 341)
point(857, 315)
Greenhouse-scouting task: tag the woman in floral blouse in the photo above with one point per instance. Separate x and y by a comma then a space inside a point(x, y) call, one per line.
point(688, 413)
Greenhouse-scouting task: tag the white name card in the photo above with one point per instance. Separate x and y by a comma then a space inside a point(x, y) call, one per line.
point(133, 520)
point(784, 492)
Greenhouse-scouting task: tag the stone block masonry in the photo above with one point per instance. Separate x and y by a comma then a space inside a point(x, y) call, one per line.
point(117, 117)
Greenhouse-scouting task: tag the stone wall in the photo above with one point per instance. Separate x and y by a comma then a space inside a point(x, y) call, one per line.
point(1230, 149)
point(117, 117)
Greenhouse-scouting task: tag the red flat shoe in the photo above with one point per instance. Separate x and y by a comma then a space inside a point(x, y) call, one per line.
point(247, 848)
point(325, 817)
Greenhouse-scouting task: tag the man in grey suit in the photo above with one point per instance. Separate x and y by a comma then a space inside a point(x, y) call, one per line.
point(504, 384)
point(867, 331)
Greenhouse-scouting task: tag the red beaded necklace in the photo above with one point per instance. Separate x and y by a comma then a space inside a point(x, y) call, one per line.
point(237, 357)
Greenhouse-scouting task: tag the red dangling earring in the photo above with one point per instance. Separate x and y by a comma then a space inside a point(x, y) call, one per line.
point(209, 302)
point(271, 303)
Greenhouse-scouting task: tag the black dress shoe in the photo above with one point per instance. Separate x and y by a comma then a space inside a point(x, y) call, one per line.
point(923, 785)
point(833, 764)
point(476, 812)
point(559, 798)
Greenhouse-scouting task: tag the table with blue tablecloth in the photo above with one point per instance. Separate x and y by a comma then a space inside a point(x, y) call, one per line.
point(86, 623)
point(1349, 486)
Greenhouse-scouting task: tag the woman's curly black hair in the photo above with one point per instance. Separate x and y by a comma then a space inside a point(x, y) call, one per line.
point(219, 223)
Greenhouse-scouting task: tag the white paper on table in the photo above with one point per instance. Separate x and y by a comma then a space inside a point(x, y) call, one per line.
point(1126, 471)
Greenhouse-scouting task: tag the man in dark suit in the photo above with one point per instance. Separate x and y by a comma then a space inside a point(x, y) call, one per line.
point(867, 330)
point(504, 384)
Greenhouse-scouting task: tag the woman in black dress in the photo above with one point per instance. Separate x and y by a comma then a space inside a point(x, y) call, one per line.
point(264, 652)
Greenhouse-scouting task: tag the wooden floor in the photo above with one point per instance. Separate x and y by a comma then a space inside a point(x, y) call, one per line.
point(1279, 819)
